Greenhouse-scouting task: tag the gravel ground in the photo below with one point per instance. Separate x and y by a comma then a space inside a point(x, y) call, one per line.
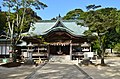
point(104, 72)
point(20, 72)
point(96, 72)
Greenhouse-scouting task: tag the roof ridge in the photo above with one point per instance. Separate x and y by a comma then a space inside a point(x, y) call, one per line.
point(56, 20)
point(46, 21)
point(55, 26)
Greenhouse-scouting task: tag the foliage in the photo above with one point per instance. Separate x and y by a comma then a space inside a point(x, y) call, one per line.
point(104, 22)
point(92, 6)
point(101, 22)
point(117, 47)
point(3, 20)
point(53, 19)
point(74, 14)
point(17, 21)
point(30, 17)
point(118, 22)
point(22, 17)
point(112, 38)
point(96, 47)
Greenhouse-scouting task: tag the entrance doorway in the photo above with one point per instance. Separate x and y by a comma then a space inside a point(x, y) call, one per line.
point(60, 50)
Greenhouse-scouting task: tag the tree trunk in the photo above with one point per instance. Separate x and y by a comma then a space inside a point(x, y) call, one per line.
point(102, 61)
point(101, 50)
point(102, 58)
point(14, 53)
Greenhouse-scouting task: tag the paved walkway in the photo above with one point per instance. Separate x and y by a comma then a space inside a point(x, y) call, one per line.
point(59, 71)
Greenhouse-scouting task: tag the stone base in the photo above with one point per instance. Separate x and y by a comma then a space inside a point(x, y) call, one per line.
point(29, 62)
point(59, 58)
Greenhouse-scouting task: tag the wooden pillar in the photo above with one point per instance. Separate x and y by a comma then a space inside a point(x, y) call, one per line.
point(38, 50)
point(59, 49)
point(48, 50)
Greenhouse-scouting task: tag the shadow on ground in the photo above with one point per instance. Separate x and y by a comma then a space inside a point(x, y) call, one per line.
point(11, 64)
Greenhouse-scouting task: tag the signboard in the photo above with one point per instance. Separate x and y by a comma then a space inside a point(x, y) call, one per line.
point(88, 54)
point(25, 54)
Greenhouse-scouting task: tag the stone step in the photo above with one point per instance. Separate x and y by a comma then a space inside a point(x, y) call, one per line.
point(60, 58)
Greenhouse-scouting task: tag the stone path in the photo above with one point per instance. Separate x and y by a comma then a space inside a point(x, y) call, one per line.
point(59, 71)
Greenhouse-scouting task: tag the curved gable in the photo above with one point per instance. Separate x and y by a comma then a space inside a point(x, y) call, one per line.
point(59, 26)
point(45, 26)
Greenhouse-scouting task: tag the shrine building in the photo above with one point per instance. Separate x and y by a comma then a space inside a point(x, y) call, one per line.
point(61, 37)
point(52, 38)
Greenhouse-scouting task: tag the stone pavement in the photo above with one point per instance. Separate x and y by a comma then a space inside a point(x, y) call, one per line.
point(59, 71)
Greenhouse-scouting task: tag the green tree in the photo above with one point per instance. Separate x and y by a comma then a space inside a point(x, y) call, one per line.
point(16, 21)
point(117, 47)
point(30, 17)
point(99, 22)
point(3, 20)
point(74, 14)
point(115, 34)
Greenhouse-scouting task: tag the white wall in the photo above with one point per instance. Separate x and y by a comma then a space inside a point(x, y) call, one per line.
point(4, 49)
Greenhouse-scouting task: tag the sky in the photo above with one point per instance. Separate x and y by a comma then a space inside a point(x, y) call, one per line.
point(56, 7)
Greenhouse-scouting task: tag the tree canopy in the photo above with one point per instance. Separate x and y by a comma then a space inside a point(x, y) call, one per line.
point(74, 14)
point(100, 22)
point(104, 22)
point(30, 17)
point(21, 17)
point(3, 20)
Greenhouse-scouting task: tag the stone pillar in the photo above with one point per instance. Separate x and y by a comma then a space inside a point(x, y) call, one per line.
point(90, 48)
point(30, 55)
point(30, 50)
point(70, 51)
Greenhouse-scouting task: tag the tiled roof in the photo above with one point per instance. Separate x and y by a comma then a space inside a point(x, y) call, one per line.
point(45, 26)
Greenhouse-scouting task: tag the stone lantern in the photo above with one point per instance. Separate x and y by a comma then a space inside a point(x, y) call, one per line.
point(30, 50)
